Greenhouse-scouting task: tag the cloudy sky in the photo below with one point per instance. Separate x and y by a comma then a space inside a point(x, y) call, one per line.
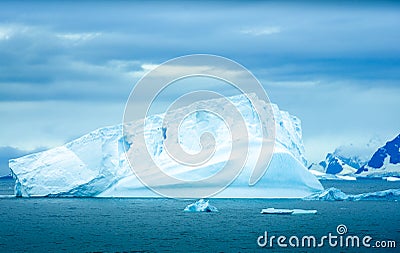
point(68, 68)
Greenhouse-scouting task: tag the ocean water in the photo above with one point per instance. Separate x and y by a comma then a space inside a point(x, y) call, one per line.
point(160, 225)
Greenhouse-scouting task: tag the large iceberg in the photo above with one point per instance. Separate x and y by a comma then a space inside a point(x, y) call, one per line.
point(96, 163)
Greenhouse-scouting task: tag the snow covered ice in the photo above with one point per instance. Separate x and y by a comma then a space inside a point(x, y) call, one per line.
point(325, 176)
point(272, 210)
point(392, 179)
point(96, 165)
point(200, 206)
point(334, 194)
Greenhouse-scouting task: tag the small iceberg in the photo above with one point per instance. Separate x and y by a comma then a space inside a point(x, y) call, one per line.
point(287, 211)
point(325, 176)
point(301, 211)
point(200, 206)
point(276, 211)
point(334, 194)
point(392, 179)
point(346, 178)
point(331, 194)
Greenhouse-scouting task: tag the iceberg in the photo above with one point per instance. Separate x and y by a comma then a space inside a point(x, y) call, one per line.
point(325, 176)
point(392, 179)
point(334, 194)
point(330, 194)
point(287, 211)
point(200, 206)
point(276, 211)
point(346, 178)
point(82, 168)
point(96, 164)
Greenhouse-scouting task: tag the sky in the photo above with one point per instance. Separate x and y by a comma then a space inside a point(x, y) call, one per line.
point(67, 68)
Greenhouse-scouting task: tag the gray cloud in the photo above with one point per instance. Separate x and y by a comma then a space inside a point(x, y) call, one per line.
point(7, 153)
point(339, 61)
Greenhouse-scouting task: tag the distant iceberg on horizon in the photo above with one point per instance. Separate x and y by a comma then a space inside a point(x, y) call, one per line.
point(334, 194)
point(95, 164)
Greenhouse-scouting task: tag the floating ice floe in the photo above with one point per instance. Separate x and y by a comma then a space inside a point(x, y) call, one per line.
point(346, 178)
point(392, 179)
point(325, 176)
point(200, 206)
point(287, 211)
point(334, 194)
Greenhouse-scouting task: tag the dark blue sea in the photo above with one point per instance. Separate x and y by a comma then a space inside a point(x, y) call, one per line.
point(160, 225)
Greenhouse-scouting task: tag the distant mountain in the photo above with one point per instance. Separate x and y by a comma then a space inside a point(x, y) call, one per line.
point(337, 164)
point(384, 162)
point(348, 159)
point(371, 160)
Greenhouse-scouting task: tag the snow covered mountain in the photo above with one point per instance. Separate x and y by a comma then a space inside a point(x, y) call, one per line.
point(385, 162)
point(361, 161)
point(337, 164)
point(96, 163)
point(347, 159)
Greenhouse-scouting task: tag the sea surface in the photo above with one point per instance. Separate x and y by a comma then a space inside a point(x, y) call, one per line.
point(160, 225)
